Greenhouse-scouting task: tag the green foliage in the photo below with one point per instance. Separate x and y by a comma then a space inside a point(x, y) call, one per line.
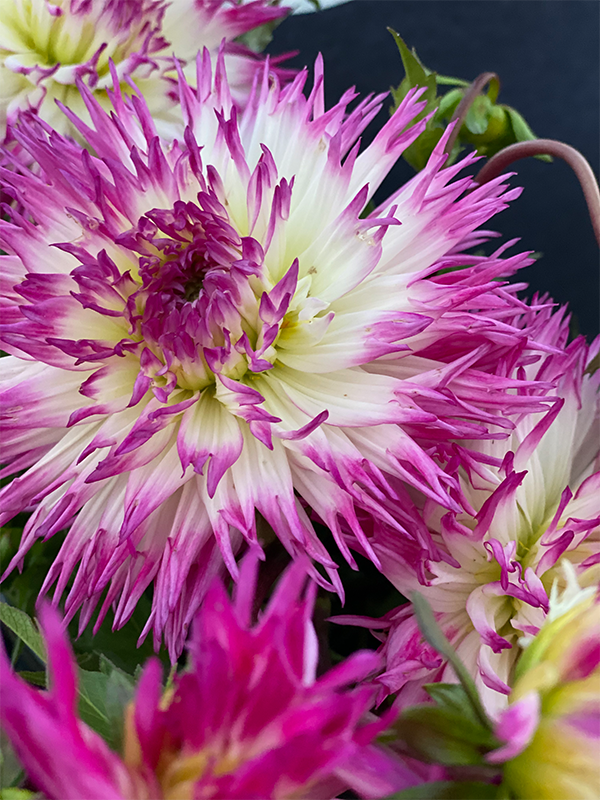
point(24, 628)
point(22, 590)
point(488, 127)
point(436, 638)
point(448, 790)
point(119, 646)
point(454, 731)
point(440, 735)
point(258, 38)
point(11, 772)
point(103, 695)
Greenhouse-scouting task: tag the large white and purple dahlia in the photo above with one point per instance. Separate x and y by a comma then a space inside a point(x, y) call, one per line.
point(46, 46)
point(208, 330)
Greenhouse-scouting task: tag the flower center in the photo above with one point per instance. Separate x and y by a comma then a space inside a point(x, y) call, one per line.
point(196, 301)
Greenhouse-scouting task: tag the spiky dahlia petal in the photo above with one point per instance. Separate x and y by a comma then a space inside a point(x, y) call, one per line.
point(222, 334)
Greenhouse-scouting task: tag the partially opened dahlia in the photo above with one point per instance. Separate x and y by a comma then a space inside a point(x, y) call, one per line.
point(247, 719)
point(46, 46)
point(535, 501)
point(208, 330)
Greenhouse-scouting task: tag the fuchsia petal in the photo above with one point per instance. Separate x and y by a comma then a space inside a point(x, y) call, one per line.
point(516, 727)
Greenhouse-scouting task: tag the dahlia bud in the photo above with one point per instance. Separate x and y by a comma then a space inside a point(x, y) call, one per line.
point(558, 687)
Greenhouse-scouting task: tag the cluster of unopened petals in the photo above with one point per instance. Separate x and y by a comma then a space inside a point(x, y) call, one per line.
point(551, 728)
point(47, 45)
point(209, 329)
point(247, 719)
point(533, 501)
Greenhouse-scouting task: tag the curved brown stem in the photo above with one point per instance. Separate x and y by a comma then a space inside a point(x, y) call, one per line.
point(462, 109)
point(551, 147)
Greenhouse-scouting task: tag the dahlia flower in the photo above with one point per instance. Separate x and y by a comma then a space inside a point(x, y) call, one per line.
point(534, 499)
point(202, 331)
point(247, 718)
point(46, 46)
point(552, 725)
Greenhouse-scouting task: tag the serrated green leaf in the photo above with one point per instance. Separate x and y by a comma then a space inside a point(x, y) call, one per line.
point(24, 627)
point(448, 790)
point(434, 635)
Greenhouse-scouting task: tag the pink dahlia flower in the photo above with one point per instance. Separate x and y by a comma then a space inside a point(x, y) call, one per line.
point(247, 719)
point(206, 330)
point(535, 500)
point(46, 46)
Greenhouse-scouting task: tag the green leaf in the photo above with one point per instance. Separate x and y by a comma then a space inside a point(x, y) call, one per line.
point(451, 697)
point(446, 80)
point(121, 646)
point(442, 736)
point(522, 131)
point(36, 678)
point(103, 697)
point(448, 790)
point(11, 770)
point(18, 794)
point(418, 153)
point(416, 75)
point(24, 627)
point(478, 115)
point(434, 635)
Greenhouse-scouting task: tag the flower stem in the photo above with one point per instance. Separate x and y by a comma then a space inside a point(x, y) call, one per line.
point(551, 147)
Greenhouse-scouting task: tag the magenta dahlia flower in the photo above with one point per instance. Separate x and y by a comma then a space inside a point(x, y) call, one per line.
point(206, 330)
point(247, 719)
point(535, 502)
point(46, 46)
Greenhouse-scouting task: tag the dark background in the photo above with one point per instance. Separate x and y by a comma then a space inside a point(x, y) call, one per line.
point(546, 53)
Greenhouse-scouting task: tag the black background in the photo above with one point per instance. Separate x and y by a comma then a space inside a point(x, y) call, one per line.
point(546, 53)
